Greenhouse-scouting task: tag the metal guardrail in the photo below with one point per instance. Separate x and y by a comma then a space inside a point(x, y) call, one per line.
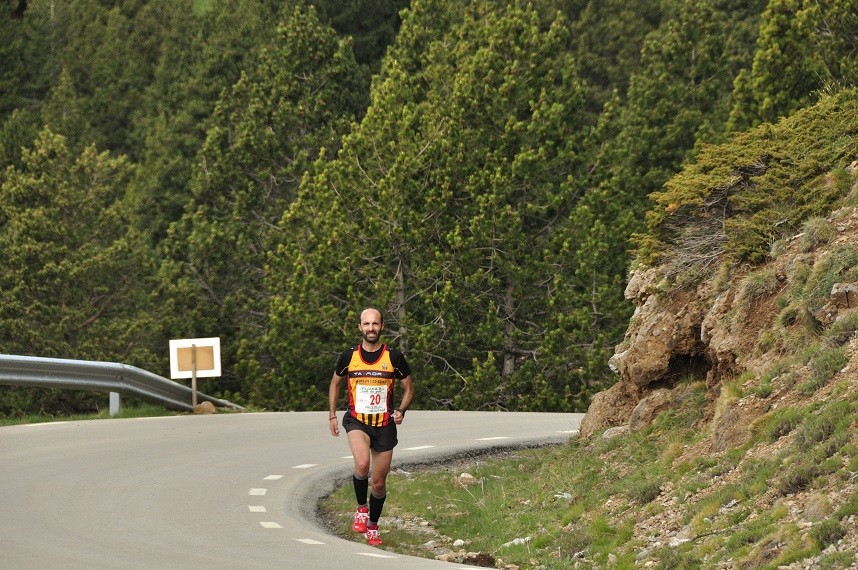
point(38, 372)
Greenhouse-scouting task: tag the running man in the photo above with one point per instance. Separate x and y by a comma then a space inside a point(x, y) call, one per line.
point(370, 422)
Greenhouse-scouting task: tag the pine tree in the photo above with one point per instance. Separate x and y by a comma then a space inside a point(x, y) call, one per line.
point(74, 277)
point(199, 58)
point(297, 98)
point(445, 208)
point(803, 46)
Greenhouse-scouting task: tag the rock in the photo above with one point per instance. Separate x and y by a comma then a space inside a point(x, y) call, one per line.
point(609, 408)
point(681, 537)
point(205, 408)
point(641, 284)
point(516, 542)
point(663, 327)
point(464, 480)
point(613, 432)
point(649, 407)
point(844, 295)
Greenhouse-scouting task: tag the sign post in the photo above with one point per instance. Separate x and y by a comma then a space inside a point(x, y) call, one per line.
point(195, 358)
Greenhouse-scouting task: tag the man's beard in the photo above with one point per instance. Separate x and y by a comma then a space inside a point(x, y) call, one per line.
point(366, 337)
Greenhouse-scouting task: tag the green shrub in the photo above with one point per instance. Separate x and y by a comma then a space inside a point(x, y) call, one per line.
point(779, 424)
point(818, 427)
point(766, 182)
point(827, 532)
point(798, 476)
point(823, 367)
point(845, 184)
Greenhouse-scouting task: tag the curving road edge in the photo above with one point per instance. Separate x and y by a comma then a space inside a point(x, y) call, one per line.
point(220, 491)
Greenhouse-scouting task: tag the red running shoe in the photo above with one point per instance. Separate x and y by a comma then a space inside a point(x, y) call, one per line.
point(361, 518)
point(373, 538)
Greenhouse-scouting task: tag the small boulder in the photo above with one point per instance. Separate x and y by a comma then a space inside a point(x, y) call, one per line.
point(205, 408)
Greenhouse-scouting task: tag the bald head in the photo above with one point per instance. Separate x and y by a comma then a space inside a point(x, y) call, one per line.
point(371, 313)
point(371, 325)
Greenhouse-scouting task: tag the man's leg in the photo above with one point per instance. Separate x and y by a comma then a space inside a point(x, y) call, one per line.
point(359, 444)
point(380, 468)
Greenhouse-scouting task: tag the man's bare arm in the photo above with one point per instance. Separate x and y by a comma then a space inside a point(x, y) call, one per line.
point(333, 396)
point(408, 387)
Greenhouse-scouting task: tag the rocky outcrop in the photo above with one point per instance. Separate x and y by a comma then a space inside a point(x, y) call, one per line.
point(709, 331)
point(609, 408)
point(663, 343)
point(664, 331)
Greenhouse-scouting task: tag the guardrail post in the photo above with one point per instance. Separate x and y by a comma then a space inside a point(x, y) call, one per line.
point(115, 403)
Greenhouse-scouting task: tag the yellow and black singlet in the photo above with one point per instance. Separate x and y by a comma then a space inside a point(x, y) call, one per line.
point(371, 388)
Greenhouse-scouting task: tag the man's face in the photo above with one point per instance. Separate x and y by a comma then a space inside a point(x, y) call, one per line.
point(370, 325)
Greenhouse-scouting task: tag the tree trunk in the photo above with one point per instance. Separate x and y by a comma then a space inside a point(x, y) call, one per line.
point(508, 332)
point(400, 306)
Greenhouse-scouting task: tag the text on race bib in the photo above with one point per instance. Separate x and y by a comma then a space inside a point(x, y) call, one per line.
point(371, 399)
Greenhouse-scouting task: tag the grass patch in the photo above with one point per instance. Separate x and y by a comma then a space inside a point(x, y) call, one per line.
point(816, 231)
point(820, 426)
point(827, 532)
point(841, 265)
point(139, 411)
point(755, 286)
point(823, 366)
point(842, 330)
point(778, 424)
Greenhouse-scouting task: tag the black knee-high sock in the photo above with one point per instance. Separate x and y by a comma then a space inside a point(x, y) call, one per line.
point(361, 486)
point(375, 506)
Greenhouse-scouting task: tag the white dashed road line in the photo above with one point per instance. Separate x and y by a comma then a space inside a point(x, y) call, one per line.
point(273, 477)
point(308, 541)
point(491, 438)
point(270, 525)
point(257, 492)
point(257, 509)
point(304, 466)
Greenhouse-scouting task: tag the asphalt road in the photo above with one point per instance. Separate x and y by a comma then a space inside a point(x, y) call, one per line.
point(221, 491)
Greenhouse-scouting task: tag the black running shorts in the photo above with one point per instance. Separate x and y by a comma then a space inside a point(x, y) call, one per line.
point(380, 438)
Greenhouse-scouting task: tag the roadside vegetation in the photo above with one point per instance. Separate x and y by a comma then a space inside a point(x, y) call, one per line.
point(140, 410)
point(651, 496)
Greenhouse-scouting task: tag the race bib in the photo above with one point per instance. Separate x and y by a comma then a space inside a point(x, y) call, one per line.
point(371, 399)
